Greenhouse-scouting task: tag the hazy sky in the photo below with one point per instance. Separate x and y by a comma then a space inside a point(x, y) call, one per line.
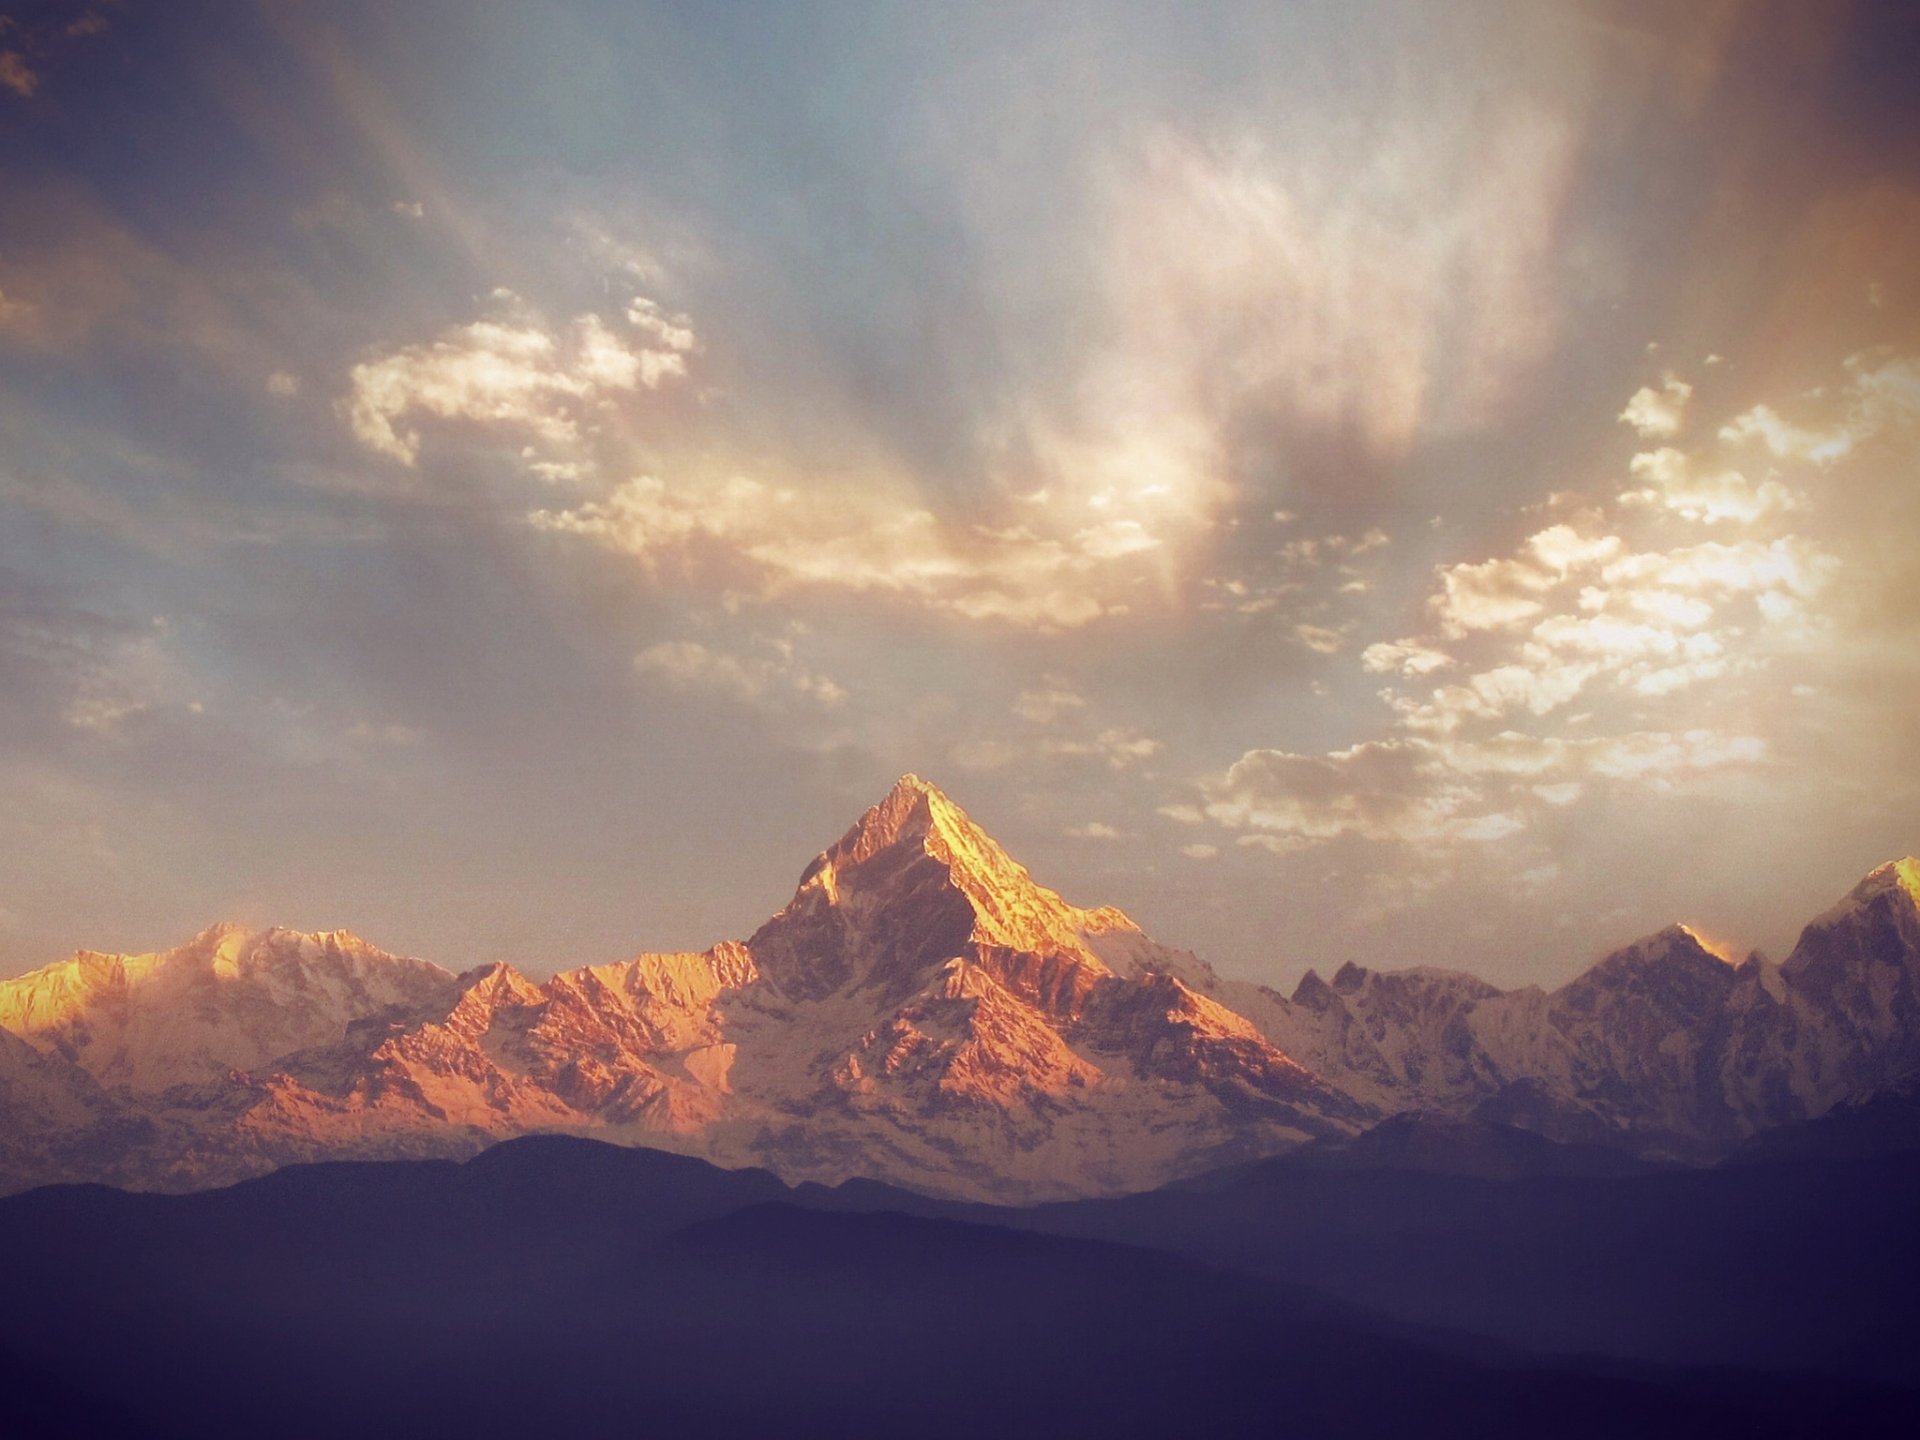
point(1408, 483)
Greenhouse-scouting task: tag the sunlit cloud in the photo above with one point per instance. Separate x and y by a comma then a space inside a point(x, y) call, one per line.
point(16, 75)
point(754, 537)
point(511, 375)
point(1598, 614)
point(1882, 392)
point(1659, 414)
point(1670, 479)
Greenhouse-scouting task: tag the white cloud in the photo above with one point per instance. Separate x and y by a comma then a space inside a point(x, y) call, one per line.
point(1095, 830)
point(1200, 851)
point(1672, 481)
point(1408, 657)
point(1882, 393)
point(1118, 747)
point(1502, 593)
point(282, 384)
point(1785, 441)
point(509, 373)
point(773, 539)
point(673, 332)
point(1383, 790)
point(1661, 644)
point(1423, 791)
point(1659, 414)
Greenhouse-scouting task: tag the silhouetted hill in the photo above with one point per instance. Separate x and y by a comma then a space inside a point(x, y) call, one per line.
point(1449, 1145)
point(558, 1286)
point(1884, 1122)
point(1805, 1265)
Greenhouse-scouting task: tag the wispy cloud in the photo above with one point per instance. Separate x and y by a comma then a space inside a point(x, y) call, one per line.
point(513, 375)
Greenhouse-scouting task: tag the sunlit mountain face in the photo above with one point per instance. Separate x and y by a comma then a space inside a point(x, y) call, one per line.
point(1359, 483)
point(922, 1012)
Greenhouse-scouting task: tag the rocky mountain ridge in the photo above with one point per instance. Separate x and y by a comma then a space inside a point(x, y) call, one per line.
point(923, 1012)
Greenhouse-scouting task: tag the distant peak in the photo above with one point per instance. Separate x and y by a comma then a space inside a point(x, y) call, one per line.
point(1721, 950)
point(1678, 934)
point(220, 930)
point(1902, 874)
point(1895, 877)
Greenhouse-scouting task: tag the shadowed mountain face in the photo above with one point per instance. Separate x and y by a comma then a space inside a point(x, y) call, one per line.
point(923, 1012)
point(554, 1286)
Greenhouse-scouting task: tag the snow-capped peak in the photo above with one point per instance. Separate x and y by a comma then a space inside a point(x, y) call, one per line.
point(1901, 875)
point(881, 859)
point(1896, 877)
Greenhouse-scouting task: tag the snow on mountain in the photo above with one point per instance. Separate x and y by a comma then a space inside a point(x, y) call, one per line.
point(229, 999)
point(921, 1011)
point(55, 1121)
point(1663, 1047)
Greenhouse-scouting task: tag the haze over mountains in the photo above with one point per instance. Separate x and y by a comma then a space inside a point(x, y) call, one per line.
point(923, 1012)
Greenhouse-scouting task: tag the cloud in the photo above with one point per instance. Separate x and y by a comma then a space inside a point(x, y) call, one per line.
point(1425, 791)
point(1500, 594)
point(1381, 790)
point(670, 332)
point(16, 75)
point(1048, 702)
point(1119, 747)
point(758, 680)
point(769, 540)
point(513, 374)
point(1287, 283)
point(70, 673)
point(1672, 481)
point(1659, 414)
point(1656, 636)
point(1408, 657)
point(1320, 639)
point(1882, 394)
point(1095, 830)
point(34, 44)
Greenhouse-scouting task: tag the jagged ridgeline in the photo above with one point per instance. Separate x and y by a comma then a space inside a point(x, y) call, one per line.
point(922, 1012)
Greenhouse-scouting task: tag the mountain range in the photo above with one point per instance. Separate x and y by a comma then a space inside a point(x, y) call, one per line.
point(922, 1012)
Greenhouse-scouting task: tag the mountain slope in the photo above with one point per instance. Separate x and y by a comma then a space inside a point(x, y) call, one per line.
point(922, 1011)
point(1663, 1047)
point(229, 999)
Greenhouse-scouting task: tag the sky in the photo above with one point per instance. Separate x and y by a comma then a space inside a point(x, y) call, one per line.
point(1366, 482)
